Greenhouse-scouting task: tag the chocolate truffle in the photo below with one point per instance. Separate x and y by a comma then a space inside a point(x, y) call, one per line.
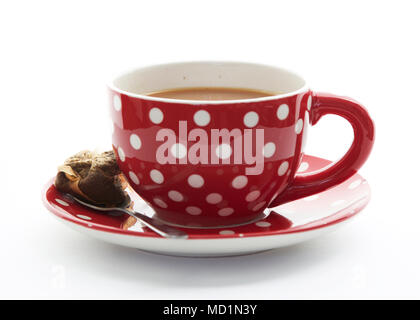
point(94, 177)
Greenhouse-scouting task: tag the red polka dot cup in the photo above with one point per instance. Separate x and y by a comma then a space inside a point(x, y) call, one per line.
point(222, 163)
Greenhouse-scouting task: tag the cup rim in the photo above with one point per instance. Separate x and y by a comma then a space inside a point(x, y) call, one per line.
point(114, 88)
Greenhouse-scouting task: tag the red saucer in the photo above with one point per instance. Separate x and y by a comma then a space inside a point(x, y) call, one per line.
point(285, 225)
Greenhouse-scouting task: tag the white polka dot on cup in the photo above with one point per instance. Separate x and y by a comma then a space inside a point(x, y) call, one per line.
point(121, 154)
point(156, 176)
point(178, 150)
point(223, 151)
point(201, 118)
point(239, 182)
point(133, 177)
point(214, 198)
point(195, 181)
point(283, 168)
point(194, 211)
point(299, 126)
point(156, 115)
point(117, 102)
point(160, 203)
point(225, 212)
point(175, 196)
point(135, 141)
point(283, 111)
point(269, 149)
point(251, 119)
point(253, 195)
point(309, 103)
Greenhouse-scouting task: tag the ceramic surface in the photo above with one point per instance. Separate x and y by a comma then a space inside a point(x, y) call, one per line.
point(212, 182)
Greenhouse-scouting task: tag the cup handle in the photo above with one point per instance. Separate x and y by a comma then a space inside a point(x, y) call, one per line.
point(305, 185)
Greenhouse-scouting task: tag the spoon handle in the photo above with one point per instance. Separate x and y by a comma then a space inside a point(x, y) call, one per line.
point(160, 228)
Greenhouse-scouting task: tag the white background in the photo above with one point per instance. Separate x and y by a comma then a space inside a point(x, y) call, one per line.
point(56, 58)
